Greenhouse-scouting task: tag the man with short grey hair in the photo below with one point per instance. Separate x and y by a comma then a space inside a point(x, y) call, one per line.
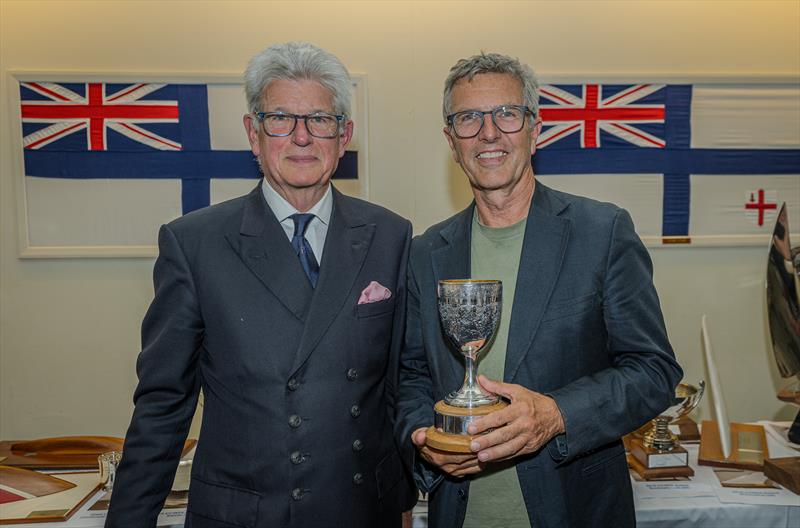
point(581, 353)
point(286, 307)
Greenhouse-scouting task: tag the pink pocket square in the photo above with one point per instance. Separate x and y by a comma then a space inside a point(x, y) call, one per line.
point(373, 293)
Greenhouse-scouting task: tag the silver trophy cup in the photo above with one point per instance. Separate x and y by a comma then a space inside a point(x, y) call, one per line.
point(470, 314)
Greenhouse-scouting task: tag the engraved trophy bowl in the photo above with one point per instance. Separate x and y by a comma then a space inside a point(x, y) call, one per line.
point(470, 314)
point(686, 398)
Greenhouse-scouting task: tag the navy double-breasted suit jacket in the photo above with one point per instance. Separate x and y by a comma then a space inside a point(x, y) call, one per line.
point(298, 383)
point(586, 329)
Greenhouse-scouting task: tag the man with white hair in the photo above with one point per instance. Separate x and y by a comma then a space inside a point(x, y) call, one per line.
point(286, 307)
point(581, 353)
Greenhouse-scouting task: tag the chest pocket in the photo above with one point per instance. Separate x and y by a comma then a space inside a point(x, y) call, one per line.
point(374, 323)
point(375, 309)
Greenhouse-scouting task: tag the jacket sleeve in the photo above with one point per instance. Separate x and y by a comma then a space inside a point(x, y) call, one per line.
point(408, 492)
point(602, 407)
point(166, 396)
point(415, 395)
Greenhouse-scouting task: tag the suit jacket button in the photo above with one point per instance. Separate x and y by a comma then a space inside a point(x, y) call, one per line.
point(297, 457)
point(293, 384)
point(462, 494)
point(358, 445)
point(297, 494)
point(352, 374)
point(355, 411)
point(358, 478)
point(295, 421)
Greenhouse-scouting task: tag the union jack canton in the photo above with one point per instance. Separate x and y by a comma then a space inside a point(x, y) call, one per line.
point(603, 115)
point(52, 111)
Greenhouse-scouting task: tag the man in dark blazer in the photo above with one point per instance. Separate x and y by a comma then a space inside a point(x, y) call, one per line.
point(285, 307)
point(582, 353)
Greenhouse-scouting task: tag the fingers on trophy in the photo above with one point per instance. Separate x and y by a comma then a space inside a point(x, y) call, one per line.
point(658, 454)
point(470, 314)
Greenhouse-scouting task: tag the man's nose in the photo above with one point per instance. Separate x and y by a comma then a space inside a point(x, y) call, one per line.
point(489, 131)
point(300, 135)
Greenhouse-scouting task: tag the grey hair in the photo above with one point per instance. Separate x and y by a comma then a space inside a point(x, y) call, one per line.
point(492, 63)
point(295, 61)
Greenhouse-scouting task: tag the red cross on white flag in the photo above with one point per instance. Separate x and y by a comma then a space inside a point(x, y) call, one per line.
point(761, 205)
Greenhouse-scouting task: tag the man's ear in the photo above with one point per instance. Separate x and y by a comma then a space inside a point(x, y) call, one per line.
point(536, 129)
point(451, 141)
point(345, 137)
point(251, 127)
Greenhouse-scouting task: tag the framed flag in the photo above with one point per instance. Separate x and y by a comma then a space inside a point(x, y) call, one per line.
point(696, 161)
point(104, 160)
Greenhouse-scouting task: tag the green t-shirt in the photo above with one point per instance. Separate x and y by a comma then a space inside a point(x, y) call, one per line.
point(495, 497)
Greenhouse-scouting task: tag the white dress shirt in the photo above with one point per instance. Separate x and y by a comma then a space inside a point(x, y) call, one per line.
point(317, 228)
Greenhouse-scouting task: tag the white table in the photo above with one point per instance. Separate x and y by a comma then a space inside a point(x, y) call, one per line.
point(701, 502)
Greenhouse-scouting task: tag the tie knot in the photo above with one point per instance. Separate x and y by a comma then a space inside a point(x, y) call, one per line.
point(301, 221)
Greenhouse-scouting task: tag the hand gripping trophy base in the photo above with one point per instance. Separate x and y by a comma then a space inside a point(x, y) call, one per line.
point(455, 421)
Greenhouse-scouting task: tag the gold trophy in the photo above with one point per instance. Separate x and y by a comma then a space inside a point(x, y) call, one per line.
point(658, 454)
point(470, 314)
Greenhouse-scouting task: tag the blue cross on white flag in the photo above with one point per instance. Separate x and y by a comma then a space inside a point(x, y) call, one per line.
point(699, 163)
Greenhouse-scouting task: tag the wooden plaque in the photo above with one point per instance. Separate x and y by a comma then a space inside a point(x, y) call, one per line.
point(22, 484)
point(748, 446)
point(784, 471)
point(65, 452)
point(55, 506)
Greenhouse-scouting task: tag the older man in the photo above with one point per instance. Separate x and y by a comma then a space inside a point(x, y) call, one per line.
point(581, 353)
point(285, 307)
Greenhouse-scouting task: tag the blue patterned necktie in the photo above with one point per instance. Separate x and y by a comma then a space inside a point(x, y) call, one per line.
point(303, 248)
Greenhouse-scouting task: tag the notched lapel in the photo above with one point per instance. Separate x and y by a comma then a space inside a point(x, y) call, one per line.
point(543, 249)
point(264, 248)
point(452, 259)
point(346, 246)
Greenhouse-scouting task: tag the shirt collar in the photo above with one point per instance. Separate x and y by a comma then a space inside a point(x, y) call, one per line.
point(283, 209)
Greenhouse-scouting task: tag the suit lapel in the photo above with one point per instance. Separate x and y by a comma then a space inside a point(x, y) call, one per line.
point(543, 248)
point(452, 261)
point(346, 246)
point(265, 249)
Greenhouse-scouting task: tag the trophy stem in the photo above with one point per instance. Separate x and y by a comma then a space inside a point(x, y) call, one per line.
point(470, 394)
point(659, 436)
point(470, 381)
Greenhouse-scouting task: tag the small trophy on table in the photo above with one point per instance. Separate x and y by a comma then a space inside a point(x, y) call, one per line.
point(658, 455)
point(470, 314)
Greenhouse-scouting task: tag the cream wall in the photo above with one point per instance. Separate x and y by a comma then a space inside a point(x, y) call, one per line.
point(69, 328)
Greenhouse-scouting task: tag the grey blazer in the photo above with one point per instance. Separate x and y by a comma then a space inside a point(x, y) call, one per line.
point(299, 383)
point(586, 329)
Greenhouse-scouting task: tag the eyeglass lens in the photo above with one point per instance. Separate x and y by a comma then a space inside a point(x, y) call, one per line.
point(508, 119)
point(319, 125)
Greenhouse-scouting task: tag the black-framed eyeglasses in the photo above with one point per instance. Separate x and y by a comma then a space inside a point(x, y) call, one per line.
point(508, 119)
point(319, 124)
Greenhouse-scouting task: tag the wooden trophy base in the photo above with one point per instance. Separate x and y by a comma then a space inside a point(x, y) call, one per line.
point(457, 443)
point(651, 464)
point(784, 471)
point(688, 430)
point(748, 447)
